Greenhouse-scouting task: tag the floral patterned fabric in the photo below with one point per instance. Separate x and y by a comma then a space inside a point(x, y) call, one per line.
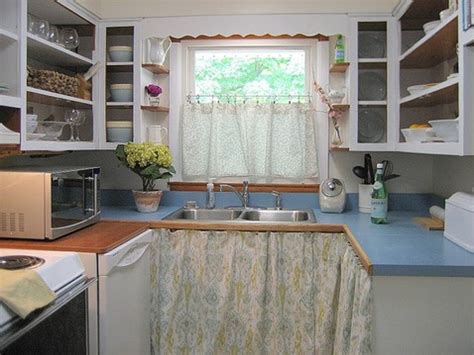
point(258, 293)
point(263, 140)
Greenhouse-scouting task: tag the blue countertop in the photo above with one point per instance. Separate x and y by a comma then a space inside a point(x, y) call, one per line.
point(400, 248)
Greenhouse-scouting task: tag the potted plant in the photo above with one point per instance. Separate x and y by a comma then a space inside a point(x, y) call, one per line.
point(151, 162)
point(154, 92)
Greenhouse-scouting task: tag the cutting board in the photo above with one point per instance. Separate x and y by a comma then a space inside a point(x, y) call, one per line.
point(430, 223)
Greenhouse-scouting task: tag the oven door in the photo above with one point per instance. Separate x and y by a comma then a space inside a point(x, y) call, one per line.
point(60, 328)
point(75, 200)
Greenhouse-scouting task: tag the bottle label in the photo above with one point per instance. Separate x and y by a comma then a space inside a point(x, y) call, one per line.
point(379, 208)
point(378, 185)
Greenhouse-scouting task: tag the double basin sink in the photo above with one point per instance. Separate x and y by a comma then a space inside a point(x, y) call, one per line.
point(243, 215)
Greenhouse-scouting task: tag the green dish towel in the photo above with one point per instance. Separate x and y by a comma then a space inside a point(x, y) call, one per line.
point(23, 291)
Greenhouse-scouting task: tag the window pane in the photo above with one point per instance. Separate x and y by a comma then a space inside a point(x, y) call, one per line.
point(250, 72)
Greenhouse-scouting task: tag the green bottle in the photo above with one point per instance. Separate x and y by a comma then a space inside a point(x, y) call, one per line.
point(339, 50)
point(379, 198)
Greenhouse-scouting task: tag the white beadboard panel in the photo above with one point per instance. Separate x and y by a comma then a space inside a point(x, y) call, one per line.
point(415, 170)
point(453, 174)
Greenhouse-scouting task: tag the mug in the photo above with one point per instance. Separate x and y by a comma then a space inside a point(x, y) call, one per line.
point(157, 134)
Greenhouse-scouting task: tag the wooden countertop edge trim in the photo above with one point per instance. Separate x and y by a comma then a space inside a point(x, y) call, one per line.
point(253, 187)
point(117, 243)
point(308, 227)
point(363, 257)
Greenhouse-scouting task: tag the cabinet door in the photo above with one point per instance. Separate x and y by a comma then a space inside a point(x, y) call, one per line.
point(59, 44)
point(121, 87)
point(372, 81)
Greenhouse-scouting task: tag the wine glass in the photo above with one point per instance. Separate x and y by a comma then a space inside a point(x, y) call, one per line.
point(72, 117)
point(69, 38)
point(53, 34)
point(79, 121)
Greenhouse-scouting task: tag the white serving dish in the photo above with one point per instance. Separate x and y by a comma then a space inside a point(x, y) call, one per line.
point(429, 26)
point(119, 131)
point(121, 53)
point(448, 130)
point(7, 136)
point(417, 134)
point(121, 92)
point(415, 89)
point(459, 220)
point(443, 15)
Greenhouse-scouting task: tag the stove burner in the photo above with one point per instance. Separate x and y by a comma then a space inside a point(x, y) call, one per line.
point(15, 262)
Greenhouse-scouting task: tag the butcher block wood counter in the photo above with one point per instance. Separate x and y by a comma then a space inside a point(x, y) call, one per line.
point(98, 238)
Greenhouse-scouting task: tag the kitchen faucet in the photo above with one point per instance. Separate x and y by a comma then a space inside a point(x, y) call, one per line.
point(244, 196)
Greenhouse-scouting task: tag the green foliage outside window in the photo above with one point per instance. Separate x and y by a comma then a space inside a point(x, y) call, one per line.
point(248, 73)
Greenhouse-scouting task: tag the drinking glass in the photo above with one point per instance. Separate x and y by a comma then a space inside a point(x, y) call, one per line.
point(69, 38)
point(53, 34)
point(72, 117)
point(40, 28)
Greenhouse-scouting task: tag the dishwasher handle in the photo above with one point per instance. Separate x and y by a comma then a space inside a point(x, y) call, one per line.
point(133, 255)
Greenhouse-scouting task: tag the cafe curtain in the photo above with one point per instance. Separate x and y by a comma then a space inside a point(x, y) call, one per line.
point(263, 140)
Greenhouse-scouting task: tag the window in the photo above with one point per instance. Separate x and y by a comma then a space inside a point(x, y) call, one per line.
point(243, 72)
point(248, 112)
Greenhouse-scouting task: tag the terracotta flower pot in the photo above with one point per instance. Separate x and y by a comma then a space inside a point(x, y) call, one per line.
point(147, 201)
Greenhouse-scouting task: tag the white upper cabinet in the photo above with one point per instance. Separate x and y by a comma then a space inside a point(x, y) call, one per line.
point(371, 55)
point(434, 83)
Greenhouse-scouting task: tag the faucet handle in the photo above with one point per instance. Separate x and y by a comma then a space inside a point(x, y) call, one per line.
point(277, 199)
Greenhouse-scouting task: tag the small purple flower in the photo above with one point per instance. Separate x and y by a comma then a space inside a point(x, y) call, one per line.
point(153, 90)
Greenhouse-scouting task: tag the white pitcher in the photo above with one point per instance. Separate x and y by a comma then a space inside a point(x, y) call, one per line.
point(156, 49)
point(157, 134)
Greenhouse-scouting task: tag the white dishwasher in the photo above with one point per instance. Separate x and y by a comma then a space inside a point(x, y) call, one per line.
point(124, 298)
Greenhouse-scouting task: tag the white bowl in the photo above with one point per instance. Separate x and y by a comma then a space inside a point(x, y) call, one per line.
point(418, 88)
point(417, 134)
point(121, 53)
point(119, 131)
point(121, 92)
point(448, 130)
point(429, 26)
point(443, 15)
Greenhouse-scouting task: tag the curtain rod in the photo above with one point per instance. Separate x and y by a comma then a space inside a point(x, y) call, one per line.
point(318, 37)
point(234, 98)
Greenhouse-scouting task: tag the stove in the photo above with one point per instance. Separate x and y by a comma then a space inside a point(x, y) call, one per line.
point(18, 262)
point(59, 270)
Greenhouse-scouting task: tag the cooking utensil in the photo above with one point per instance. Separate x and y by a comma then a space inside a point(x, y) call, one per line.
point(390, 177)
point(360, 172)
point(370, 169)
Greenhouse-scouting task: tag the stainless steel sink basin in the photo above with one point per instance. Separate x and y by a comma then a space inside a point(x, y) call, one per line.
point(201, 214)
point(243, 215)
point(278, 215)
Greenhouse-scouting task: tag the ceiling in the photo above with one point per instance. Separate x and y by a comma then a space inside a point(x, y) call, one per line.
point(162, 8)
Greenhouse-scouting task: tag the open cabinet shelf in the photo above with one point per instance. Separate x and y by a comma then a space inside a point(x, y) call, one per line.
point(51, 98)
point(338, 67)
point(50, 53)
point(435, 47)
point(156, 68)
point(119, 67)
point(11, 101)
point(7, 36)
point(442, 93)
point(155, 108)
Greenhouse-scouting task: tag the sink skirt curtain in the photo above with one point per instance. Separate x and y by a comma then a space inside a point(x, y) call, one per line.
point(258, 293)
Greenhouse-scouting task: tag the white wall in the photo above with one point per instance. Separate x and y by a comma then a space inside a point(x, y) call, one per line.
point(416, 170)
point(452, 174)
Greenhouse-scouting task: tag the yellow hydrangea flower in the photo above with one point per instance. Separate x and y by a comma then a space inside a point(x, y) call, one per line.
point(144, 154)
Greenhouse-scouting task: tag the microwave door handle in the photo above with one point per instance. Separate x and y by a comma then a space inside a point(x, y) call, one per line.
point(84, 195)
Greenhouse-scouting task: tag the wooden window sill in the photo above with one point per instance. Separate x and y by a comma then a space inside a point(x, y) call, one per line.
point(253, 187)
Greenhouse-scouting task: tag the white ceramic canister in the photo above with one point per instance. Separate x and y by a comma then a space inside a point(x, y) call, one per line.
point(157, 134)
